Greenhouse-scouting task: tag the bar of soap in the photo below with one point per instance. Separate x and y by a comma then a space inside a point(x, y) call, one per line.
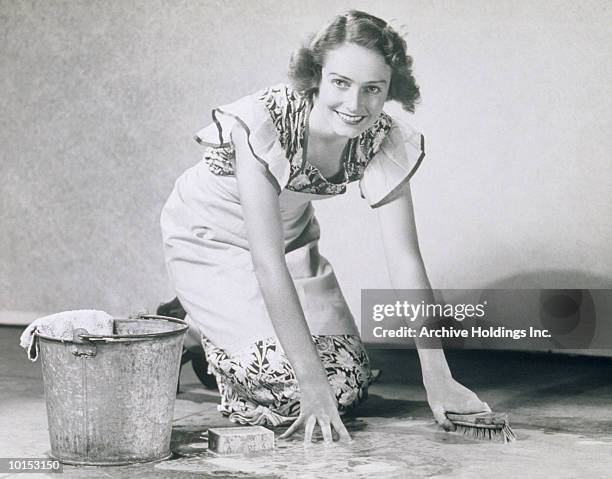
point(240, 440)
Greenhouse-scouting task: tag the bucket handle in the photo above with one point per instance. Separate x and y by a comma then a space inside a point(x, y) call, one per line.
point(82, 346)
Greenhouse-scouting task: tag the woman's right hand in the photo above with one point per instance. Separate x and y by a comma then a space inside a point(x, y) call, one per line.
point(318, 405)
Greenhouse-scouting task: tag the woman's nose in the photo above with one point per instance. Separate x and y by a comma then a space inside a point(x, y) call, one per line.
point(352, 101)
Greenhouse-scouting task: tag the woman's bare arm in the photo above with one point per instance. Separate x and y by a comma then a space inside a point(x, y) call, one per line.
point(259, 200)
point(407, 271)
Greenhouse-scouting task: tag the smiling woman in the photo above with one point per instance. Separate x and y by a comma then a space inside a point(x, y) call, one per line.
point(353, 90)
point(350, 98)
point(241, 238)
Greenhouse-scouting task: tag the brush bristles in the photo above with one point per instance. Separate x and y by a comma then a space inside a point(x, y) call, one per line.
point(503, 434)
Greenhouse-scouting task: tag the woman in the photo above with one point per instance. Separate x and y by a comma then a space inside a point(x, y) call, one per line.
point(241, 237)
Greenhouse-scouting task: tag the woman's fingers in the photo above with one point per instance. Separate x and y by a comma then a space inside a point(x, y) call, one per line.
point(440, 416)
point(309, 429)
point(471, 403)
point(474, 405)
point(326, 425)
point(341, 430)
point(326, 429)
point(292, 428)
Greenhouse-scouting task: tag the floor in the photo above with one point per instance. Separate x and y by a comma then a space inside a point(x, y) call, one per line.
point(560, 408)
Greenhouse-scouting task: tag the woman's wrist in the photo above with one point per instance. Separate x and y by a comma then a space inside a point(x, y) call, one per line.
point(310, 376)
point(434, 366)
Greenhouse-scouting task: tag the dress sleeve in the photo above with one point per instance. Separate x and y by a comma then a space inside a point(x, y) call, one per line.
point(250, 113)
point(399, 156)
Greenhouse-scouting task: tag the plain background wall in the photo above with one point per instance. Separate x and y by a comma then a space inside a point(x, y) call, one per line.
point(100, 101)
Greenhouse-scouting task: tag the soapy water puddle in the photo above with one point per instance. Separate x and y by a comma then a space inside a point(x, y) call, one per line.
point(390, 448)
point(380, 448)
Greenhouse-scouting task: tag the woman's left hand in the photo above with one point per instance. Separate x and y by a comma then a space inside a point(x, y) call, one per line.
point(447, 395)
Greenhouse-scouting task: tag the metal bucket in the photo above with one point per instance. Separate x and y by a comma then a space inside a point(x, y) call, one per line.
point(110, 399)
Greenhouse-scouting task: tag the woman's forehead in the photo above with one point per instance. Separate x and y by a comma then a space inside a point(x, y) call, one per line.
point(357, 63)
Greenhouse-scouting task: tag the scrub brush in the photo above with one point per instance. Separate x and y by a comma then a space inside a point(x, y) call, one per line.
point(483, 426)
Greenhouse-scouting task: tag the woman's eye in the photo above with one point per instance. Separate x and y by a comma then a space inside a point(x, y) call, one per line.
point(340, 83)
point(373, 90)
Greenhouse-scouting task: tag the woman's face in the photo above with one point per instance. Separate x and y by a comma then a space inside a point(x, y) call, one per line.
point(354, 86)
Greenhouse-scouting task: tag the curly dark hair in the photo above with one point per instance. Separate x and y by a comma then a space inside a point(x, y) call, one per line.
point(367, 31)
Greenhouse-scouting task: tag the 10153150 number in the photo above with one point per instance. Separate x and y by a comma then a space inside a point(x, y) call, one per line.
point(8, 465)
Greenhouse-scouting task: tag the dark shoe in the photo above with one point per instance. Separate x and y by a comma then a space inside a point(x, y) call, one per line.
point(173, 309)
point(195, 354)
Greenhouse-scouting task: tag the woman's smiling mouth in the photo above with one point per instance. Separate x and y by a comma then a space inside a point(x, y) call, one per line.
point(350, 119)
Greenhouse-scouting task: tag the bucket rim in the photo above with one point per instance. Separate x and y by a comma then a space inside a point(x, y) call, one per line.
point(125, 337)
